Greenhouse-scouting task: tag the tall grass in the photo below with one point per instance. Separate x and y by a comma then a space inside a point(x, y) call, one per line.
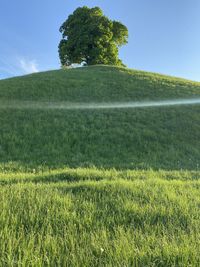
point(141, 219)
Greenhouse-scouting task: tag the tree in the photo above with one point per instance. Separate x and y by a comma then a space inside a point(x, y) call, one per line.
point(90, 37)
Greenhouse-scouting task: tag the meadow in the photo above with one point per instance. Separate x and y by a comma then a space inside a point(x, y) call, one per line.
point(99, 187)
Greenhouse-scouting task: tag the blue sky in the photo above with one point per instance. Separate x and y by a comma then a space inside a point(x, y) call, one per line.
point(164, 35)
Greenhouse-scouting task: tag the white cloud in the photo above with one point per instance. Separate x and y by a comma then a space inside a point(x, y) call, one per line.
point(16, 65)
point(28, 66)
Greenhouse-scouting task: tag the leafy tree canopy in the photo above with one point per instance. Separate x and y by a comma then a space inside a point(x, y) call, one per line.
point(89, 36)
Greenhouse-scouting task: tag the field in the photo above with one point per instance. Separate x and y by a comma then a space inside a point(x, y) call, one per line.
point(99, 187)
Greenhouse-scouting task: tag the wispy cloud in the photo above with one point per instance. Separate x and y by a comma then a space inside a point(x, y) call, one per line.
point(28, 66)
point(15, 66)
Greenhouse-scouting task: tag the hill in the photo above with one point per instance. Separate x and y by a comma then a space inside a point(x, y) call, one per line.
point(158, 138)
point(99, 187)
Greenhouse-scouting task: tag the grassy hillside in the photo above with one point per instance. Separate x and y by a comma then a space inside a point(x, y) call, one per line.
point(96, 83)
point(158, 138)
point(109, 187)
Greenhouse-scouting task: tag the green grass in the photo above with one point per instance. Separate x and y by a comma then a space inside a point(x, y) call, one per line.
point(99, 187)
point(157, 138)
point(97, 83)
point(100, 218)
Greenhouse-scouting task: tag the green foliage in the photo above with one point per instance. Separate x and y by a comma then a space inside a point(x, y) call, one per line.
point(90, 37)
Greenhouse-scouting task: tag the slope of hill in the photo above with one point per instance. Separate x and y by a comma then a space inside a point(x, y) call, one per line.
point(158, 138)
point(98, 84)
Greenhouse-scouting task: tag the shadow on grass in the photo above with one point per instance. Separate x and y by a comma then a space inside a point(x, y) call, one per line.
point(70, 175)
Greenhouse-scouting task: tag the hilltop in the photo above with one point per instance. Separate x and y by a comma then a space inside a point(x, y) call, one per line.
point(97, 83)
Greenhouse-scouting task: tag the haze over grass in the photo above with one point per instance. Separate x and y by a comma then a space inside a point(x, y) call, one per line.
point(109, 105)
